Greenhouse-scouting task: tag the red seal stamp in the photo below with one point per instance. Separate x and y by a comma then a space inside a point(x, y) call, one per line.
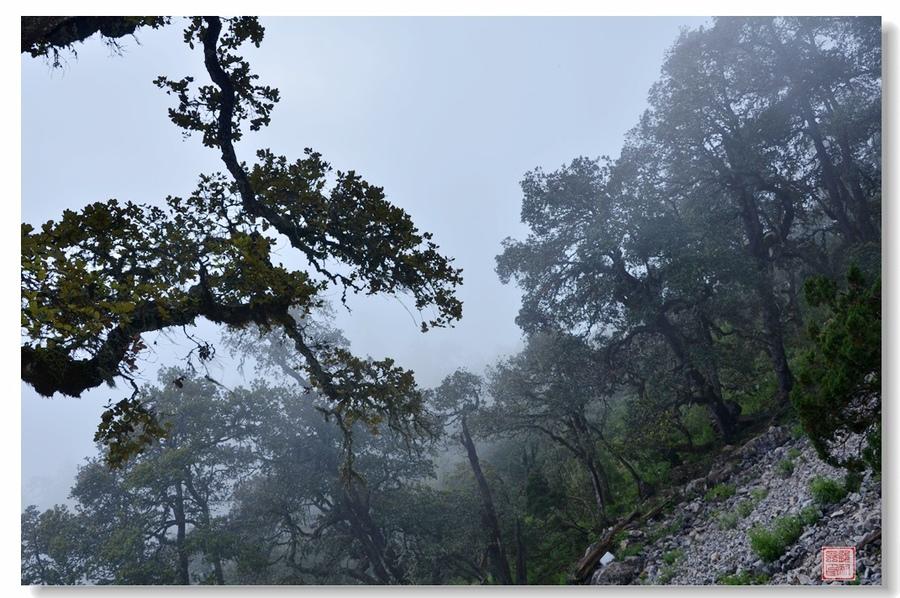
point(839, 563)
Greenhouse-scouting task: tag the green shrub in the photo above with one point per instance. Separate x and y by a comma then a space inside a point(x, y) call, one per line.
point(666, 574)
point(770, 543)
point(631, 550)
point(826, 491)
point(728, 520)
point(758, 494)
point(785, 468)
point(744, 578)
point(672, 556)
point(852, 481)
point(789, 529)
point(745, 507)
point(838, 378)
point(872, 452)
point(766, 543)
point(794, 453)
point(720, 492)
point(809, 515)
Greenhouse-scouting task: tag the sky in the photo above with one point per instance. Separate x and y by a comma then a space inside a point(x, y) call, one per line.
point(447, 114)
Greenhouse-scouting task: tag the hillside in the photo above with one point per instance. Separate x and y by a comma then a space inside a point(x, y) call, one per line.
point(705, 538)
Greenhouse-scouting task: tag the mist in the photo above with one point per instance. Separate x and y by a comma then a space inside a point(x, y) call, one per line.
point(450, 300)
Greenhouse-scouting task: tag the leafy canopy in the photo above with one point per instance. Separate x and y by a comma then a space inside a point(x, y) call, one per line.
point(99, 278)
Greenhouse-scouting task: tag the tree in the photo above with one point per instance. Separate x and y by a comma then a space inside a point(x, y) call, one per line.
point(248, 485)
point(612, 266)
point(838, 396)
point(98, 279)
point(459, 397)
point(738, 121)
point(168, 500)
point(553, 388)
point(53, 547)
point(52, 36)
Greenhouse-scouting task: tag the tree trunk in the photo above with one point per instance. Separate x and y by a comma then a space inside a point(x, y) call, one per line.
point(496, 551)
point(180, 543)
point(206, 520)
point(521, 557)
point(765, 290)
point(381, 558)
point(703, 391)
point(643, 488)
point(599, 479)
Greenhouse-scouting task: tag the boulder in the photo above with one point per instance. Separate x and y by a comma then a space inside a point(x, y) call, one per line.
point(618, 573)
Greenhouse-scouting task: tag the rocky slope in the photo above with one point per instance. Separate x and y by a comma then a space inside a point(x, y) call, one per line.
point(705, 539)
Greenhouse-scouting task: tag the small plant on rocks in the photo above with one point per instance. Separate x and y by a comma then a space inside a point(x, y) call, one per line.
point(631, 550)
point(826, 491)
point(745, 507)
point(729, 520)
point(744, 578)
point(785, 468)
point(758, 494)
point(671, 557)
point(809, 515)
point(853, 481)
point(771, 543)
point(666, 574)
point(720, 492)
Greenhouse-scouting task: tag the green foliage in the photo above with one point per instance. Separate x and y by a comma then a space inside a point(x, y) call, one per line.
point(673, 556)
point(666, 573)
point(838, 389)
point(54, 546)
point(770, 543)
point(127, 429)
point(809, 515)
point(785, 468)
point(744, 578)
point(826, 491)
point(757, 494)
point(728, 520)
point(720, 492)
point(853, 481)
point(872, 452)
point(766, 543)
point(794, 453)
point(744, 508)
point(631, 550)
point(96, 280)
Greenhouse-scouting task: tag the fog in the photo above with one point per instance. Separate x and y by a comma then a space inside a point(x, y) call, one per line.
point(445, 114)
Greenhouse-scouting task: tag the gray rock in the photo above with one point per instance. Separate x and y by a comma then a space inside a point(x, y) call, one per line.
point(618, 573)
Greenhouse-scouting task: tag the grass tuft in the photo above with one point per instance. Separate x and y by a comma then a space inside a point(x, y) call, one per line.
point(826, 491)
point(720, 492)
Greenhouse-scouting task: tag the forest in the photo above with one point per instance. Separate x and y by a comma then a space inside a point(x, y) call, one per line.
point(720, 276)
